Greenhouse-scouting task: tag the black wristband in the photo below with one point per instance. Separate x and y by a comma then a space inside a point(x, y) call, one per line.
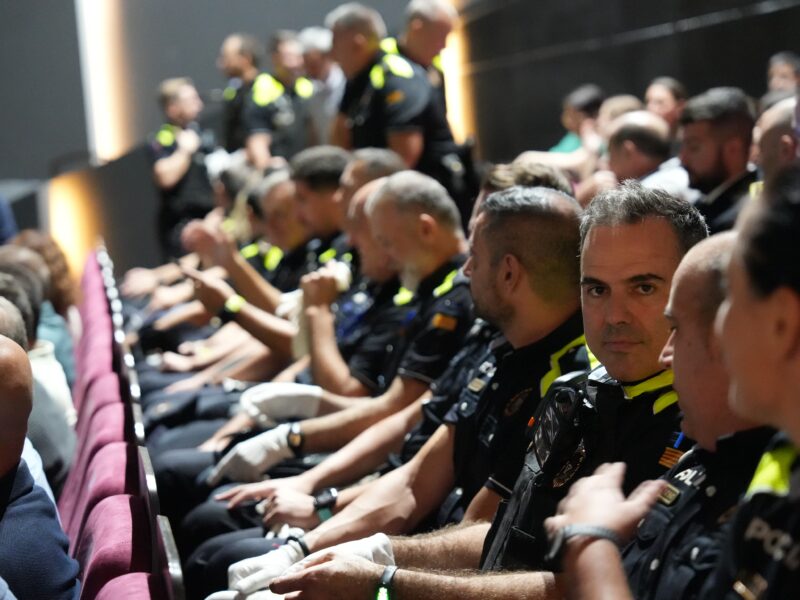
point(300, 542)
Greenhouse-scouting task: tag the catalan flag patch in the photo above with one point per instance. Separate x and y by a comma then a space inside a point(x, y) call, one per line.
point(442, 321)
point(670, 457)
point(395, 97)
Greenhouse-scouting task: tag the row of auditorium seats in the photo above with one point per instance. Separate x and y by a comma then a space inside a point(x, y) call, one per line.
point(109, 505)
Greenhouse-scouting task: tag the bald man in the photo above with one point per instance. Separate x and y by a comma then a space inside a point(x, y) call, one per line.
point(775, 138)
point(33, 548)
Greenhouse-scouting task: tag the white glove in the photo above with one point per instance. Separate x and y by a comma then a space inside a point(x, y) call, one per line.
point(233, 595)
point(248, 460)
point(375, 548)
point(271, 402)
point(252, 574)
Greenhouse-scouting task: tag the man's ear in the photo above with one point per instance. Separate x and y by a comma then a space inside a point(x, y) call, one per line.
point(427, 226)
point(510, 273)
point(629, 147)
point(787, 147)
point(782, 316)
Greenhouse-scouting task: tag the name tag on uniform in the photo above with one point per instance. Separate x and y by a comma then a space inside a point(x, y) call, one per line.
point(669, 495)
point(476, 385)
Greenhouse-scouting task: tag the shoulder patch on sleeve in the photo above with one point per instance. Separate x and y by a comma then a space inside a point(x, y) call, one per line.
point(443, 321)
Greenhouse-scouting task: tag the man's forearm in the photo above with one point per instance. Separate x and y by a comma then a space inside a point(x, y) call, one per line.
point(418, 585)
point(168, 171)
point(257, 290)
point(365, 453)
point(455, 547)
point(331, 432)
point(594, 571)
point(272, 331)
point(328, 368)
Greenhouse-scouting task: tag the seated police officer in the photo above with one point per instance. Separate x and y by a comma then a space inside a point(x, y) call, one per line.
point(676, 544)
point(633, 240)
point(529, 291)
point(760, 558)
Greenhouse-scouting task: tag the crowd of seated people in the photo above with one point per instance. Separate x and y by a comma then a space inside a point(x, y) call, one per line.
point(366, 371)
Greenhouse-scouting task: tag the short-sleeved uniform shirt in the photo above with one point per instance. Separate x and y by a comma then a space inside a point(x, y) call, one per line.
point(190, 198)
point(761, 553)
point(367, 337)
point(320, 251)
point(446, 390)
point(434, 71)
point(392, 94)
point(493, 410)
point(283, 270)
point(680, 540)
point(235, 97)
point(280, 112)
point(637, 424)
point(438, 319)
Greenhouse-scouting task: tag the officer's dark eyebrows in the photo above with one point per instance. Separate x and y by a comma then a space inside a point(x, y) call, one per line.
point(642, 278)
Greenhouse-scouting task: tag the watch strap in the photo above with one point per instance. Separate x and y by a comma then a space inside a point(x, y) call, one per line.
point(593, 531)
point(300, 542)
point(385, 584)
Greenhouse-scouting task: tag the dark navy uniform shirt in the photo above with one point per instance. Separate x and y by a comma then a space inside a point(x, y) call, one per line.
point(678, 543)
point(636, 424)
point(761, 554)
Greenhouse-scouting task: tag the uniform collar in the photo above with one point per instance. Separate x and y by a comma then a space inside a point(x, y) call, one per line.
point(430, 283)
point(657, 387)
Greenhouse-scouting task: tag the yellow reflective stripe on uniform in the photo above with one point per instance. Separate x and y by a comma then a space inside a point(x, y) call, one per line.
point(555, 367)
point(446, 285)
point(327, 256)
point(403, 296)
point(249, 251)
point(755, 189)
point(377, 77)
point(272, 258)
point(303, 87)
point(166, 135)
point(398, 65)
point(389, 45)
point(266, 89)
point(437, 63)
point(347, 257)
point(773, 472)
point(229, 93)
point(662, 380)
point(664, 400)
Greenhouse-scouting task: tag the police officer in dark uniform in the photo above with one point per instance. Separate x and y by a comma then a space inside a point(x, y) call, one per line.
point(762, 552)
point(679, 541)
point(238, 59)
point(276, 113)
point(633, 239)
point(604, 419)
point(178, 150)
point(389, 103)
point(428, 23)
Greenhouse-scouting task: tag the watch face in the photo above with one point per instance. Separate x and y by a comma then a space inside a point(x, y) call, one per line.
point(295, 439)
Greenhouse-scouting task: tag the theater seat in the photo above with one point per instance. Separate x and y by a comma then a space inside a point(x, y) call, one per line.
point(115, 541)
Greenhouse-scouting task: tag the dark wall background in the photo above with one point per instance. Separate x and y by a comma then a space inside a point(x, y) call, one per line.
point(41, 101)
point(549, 47)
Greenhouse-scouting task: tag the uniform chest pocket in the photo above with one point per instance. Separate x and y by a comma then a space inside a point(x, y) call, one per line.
point(487, 431)
point(653, 526)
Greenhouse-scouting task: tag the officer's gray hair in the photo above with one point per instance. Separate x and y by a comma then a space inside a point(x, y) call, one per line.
point(430, 10)
point(632, 203)
point(378, 162)
point(413, 191)
point(353, 16)
point(318, 39)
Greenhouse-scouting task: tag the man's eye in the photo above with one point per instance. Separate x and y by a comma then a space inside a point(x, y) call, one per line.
point(646, 288)
point(595, 291)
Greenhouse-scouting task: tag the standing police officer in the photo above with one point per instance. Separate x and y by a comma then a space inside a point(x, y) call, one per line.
point(389, 102)
point(276, 113)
